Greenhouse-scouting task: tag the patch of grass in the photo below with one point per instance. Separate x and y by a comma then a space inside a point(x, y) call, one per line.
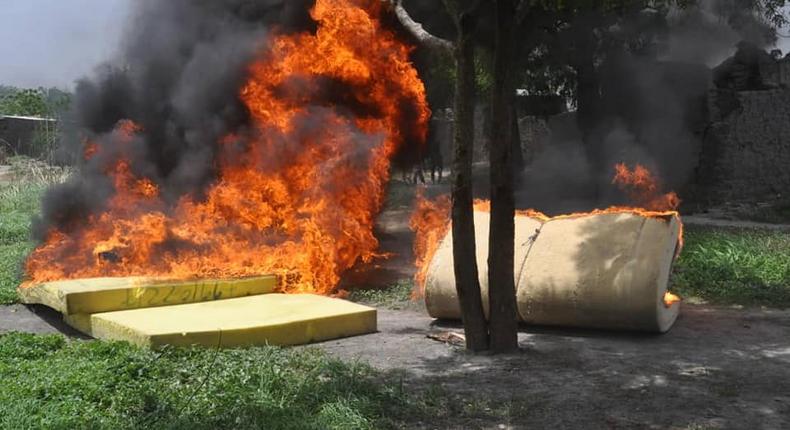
point(50, 382)
point(11, 258)
point(735, 266)
point(18, 203)
point(396, 296)
point(28, 170)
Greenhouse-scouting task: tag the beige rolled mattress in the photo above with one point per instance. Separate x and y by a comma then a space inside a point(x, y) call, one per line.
point(608, 270)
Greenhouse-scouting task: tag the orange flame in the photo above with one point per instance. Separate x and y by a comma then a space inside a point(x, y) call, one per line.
point(431, 220)
point(670, 299)
point(643, 189)
point(295, 203)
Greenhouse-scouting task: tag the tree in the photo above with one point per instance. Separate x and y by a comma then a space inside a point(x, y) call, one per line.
point(503, 324)
point(561, 42)
point(463, 230)
point(502, 328)
point(27, 102)
point(33, 102)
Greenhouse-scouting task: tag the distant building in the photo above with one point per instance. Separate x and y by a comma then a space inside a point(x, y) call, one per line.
point(18, 133)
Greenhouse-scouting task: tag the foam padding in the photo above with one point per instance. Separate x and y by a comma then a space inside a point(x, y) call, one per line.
point(606, 271)
point(600, 271)
point(273, 319)
point(88, 296)
point(443, 302)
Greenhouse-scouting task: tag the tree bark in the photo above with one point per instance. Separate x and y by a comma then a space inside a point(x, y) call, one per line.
point(464, 248)
point(417, 30)
point(515, 138)
point(503, 322)
point(588, 95)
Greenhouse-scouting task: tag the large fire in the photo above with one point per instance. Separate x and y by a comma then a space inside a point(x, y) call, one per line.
point(431, 219)
point(296, 198)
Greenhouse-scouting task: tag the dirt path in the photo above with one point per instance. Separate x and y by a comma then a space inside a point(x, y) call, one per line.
point(33, 319)
point(717, 368)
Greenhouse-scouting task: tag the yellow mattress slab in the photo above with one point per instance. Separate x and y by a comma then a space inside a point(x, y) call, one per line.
point(274, 319)
point(88, 296)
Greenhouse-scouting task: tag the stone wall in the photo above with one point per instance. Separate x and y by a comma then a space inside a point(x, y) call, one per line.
point(746, 150)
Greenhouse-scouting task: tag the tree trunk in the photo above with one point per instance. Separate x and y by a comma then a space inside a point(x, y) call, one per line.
point(515, 137)
point(588, 94)
point(463, 229)
point(503, 322)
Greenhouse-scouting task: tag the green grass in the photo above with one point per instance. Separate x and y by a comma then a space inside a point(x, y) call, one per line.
point(11, 258)
point(18, 203)
point(735, 266)
point(396, 296)
point(50, 382)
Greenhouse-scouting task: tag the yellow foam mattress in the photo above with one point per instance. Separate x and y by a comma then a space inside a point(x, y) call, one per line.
point(274, 319)
point(87, 296)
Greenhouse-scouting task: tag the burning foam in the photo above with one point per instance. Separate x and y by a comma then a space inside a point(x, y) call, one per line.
point(431, 219)
point(296, 198)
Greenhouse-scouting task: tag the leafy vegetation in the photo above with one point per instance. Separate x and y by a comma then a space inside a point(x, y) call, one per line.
point(17, 205)
point(11, 258)
point(749, 267)
point(396, 296)
point(54, 383)
point(39, 102)
point(49, 382)
point(19, 201)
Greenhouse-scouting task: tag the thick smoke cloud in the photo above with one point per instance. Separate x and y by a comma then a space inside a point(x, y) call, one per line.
point(653, 112)
point(707, 32)
point(178, 77)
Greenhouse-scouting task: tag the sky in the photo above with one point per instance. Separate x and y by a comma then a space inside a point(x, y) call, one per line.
point(55, 42)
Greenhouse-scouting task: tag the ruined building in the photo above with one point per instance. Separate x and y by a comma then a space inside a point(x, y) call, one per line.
point(746, 148)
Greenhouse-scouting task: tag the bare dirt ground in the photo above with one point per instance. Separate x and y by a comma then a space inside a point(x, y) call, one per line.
point(717, 368)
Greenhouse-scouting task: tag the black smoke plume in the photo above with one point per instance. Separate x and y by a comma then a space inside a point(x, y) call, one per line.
point(652, 108)
point(177, 76)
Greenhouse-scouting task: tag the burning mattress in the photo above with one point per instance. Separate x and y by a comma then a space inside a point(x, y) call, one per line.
point(607, 270)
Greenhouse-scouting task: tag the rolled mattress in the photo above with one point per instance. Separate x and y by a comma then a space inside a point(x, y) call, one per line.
point(608, 270)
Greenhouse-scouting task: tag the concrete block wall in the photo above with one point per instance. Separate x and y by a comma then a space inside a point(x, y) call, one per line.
point(746, 152)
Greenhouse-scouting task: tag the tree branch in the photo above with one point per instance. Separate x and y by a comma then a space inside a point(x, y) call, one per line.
point(417, 30)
